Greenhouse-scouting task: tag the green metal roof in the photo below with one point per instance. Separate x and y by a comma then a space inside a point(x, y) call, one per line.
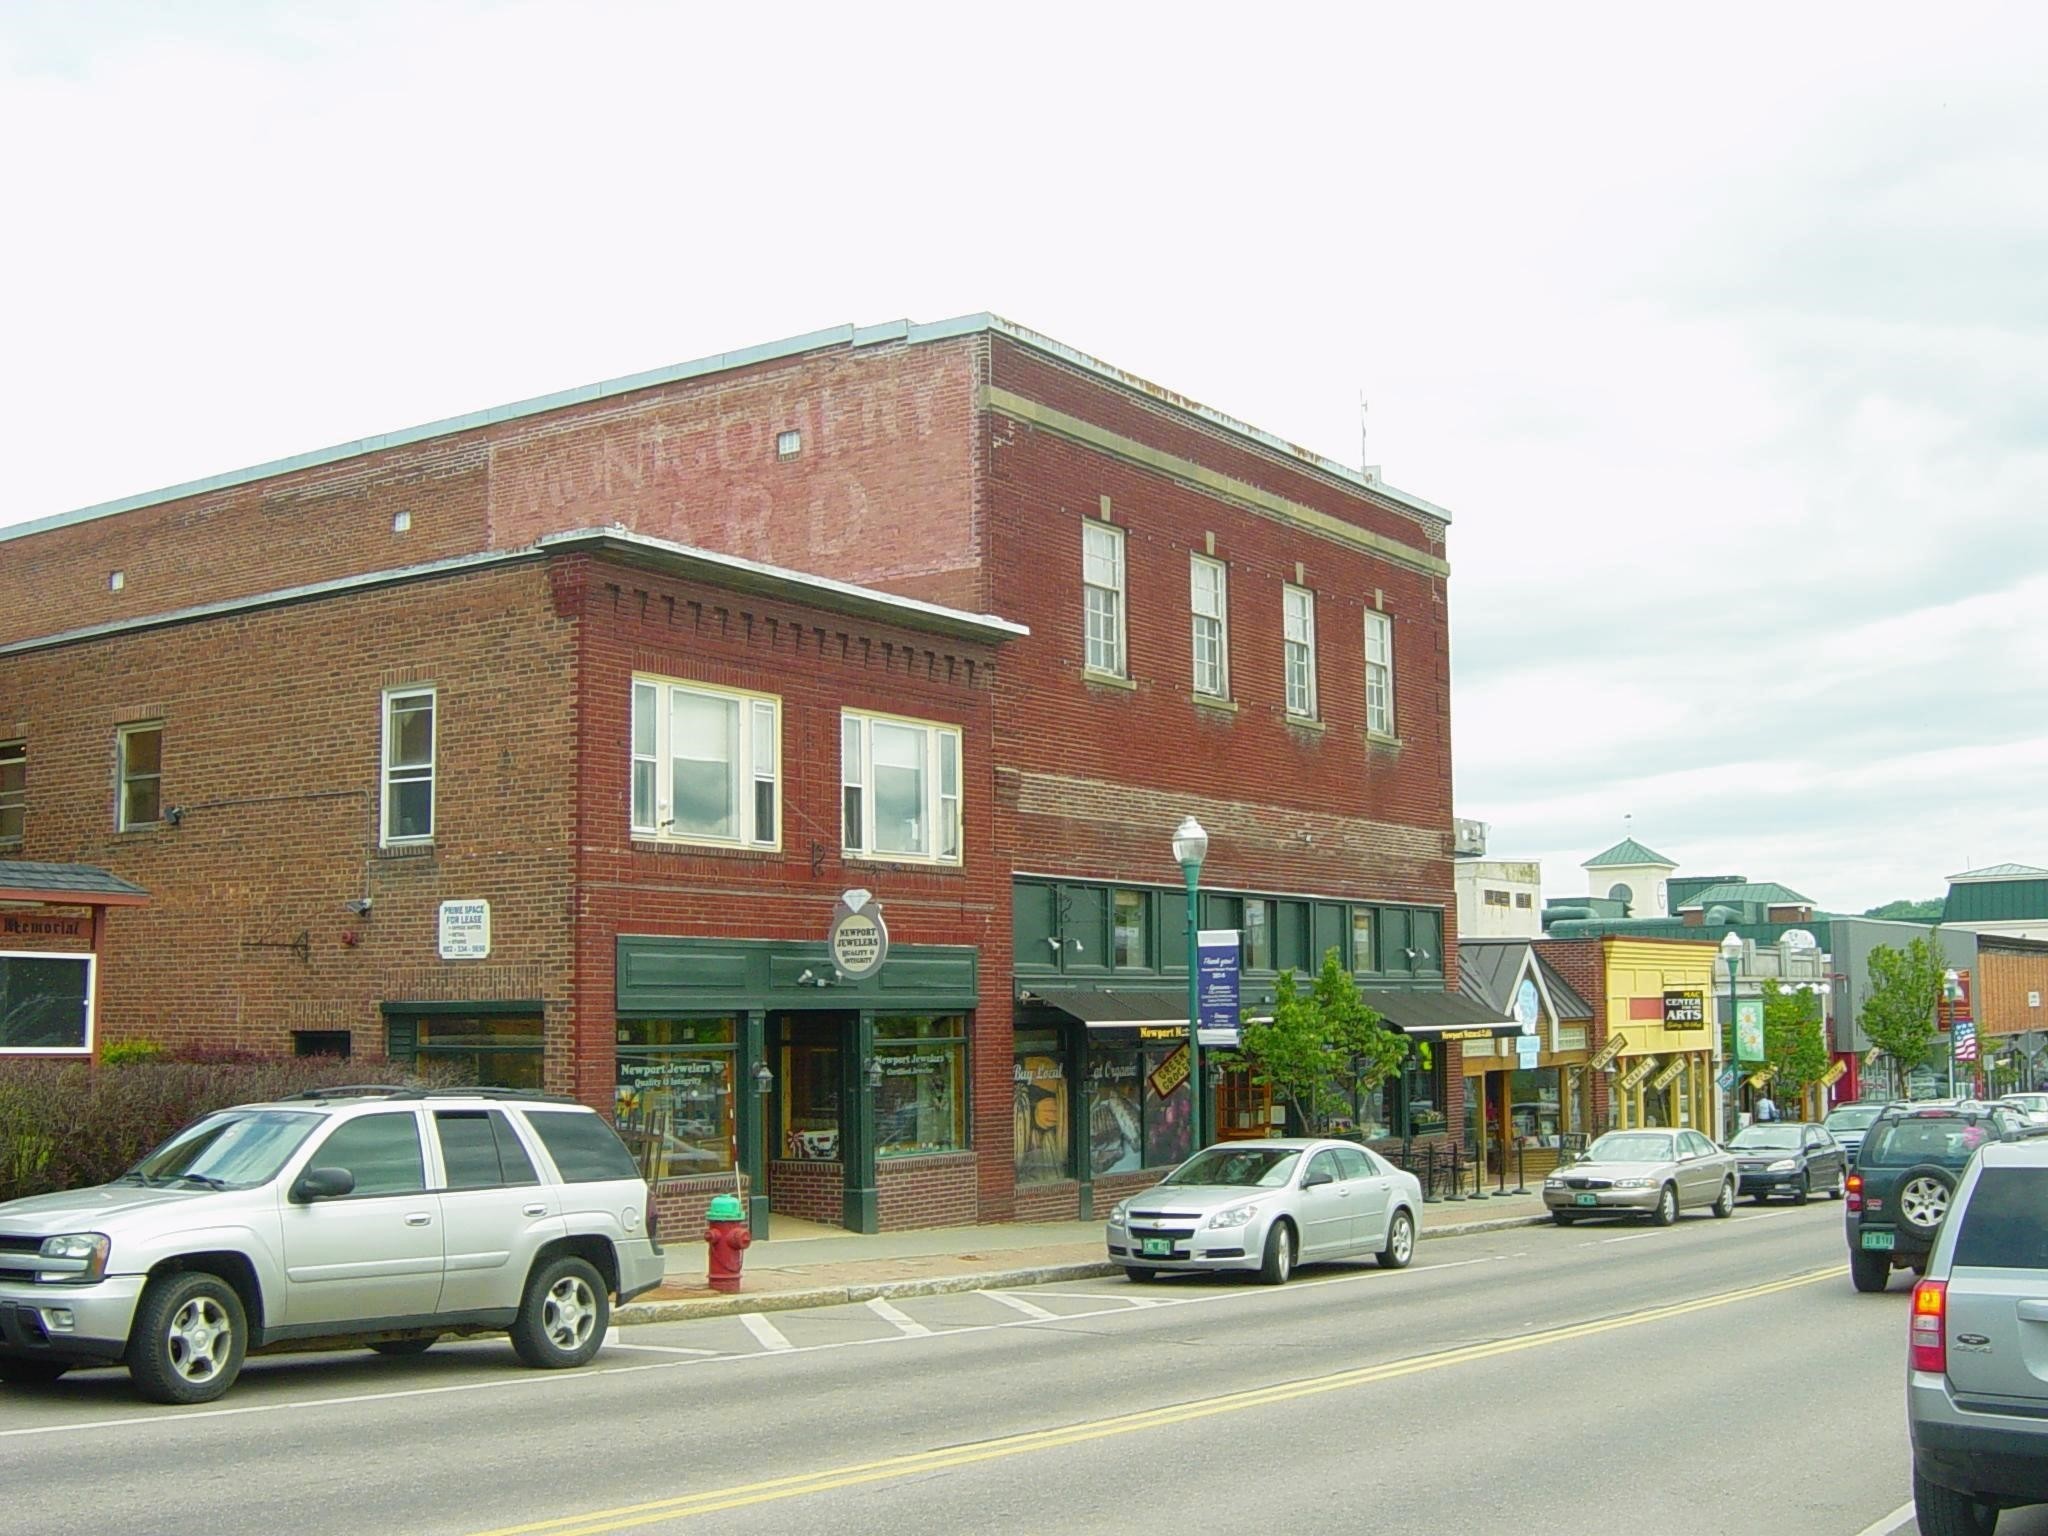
point(1628, 851)
point(2002, 899)
point(1762, 893)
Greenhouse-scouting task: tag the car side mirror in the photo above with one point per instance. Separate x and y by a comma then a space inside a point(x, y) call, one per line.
point(1318, 1177)
point(322, 1184)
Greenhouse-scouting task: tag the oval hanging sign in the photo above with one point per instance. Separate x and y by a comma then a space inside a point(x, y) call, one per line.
point(858, 939)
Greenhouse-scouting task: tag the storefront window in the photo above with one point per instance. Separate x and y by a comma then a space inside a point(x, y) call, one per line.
point(675, 1103)
point(1042, 1107)
point(919, 1106)
point(1536, 1107)
point(492, 1050)
point(1141, 1110)
point(809, 1085)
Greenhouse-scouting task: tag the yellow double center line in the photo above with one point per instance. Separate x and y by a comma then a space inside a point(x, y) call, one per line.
point(628, 1516)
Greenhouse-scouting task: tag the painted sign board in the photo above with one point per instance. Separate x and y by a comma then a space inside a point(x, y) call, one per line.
point(1638, 1072)
point(1615, 1045)
point(1670, 1073)
point(1685, 1008)
point(1216, 994)
point(465, 930)
point(858, 938)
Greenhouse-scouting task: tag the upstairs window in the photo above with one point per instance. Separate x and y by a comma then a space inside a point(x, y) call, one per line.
point(706, 764)
point(408, 766)
point(141, 753)
point(1300, 628)
point(1208, 596)
point(13, 791)
point(1496, 898)
point(899, 788)
point(1379, 674)
point(1102, 580)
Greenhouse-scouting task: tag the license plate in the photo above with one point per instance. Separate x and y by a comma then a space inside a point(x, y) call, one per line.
point(1585, 1199)
point(1877, 1240)
point(1161, 1247)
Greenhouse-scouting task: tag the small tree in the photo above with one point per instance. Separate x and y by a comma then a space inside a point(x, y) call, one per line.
point(1794, 1043)
point(1323, 1046)
point(1898, 1007)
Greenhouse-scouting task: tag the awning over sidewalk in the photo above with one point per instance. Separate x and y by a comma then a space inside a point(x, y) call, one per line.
point(1439, 1015)
point(1111, 1010)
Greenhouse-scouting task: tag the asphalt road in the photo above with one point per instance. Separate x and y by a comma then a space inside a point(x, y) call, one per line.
point(1720, 1376)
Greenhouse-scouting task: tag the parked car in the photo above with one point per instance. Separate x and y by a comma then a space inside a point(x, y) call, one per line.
point(1906, 1174)
point(1789, 1157)
point(2033, 1105)
point(381, 1216)
point(1847, 1123)
point(1653, 1173)
point(1977, 1374)
point(1266, 1205)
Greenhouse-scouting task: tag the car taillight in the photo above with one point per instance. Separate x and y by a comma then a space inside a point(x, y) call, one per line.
point(1854, 1185)
point(1929, 1336)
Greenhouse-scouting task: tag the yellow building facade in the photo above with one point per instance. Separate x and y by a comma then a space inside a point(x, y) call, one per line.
point(1661, 1037)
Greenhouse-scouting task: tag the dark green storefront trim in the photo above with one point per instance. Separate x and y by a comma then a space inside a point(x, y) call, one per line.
point(660, 977)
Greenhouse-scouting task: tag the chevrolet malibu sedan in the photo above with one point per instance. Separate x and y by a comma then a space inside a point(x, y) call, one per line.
point(1265, 1206)
point(1653, 1173)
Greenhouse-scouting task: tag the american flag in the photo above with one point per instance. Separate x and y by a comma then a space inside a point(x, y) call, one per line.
point(1965, 1039)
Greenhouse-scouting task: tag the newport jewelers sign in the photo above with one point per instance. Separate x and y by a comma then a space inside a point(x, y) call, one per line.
point(465, 930)
point(1685, 1009)
point(858, 938)
point(1217, 951)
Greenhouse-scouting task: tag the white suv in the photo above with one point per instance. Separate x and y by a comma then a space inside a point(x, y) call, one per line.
point(385, 1216)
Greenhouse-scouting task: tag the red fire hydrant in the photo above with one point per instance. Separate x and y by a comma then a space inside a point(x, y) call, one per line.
point(725, 1229)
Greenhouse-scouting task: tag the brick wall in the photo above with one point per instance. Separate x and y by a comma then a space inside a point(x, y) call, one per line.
point(680, 1204)
point(925, 1192)
point(1055, 1200)
point(814, 1191)
point(1582, 962)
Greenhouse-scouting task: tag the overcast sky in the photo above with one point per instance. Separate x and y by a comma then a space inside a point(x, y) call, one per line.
point(1722, 333)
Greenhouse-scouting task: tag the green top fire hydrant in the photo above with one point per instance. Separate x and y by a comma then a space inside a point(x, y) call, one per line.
point(725, 1229)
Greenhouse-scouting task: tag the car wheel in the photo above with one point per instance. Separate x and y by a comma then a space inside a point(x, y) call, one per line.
point(563, 1318)
point(32, 1373)
point(1400, 1242)
point(1138, 1276)
point(1923, 1199)
point(1667, 1206)
point(1279, 1261)
point(1563, 1218)
point(1805, 1190)
point(1724, 1206)
point(1841, 1184)
point(406, 1346)
point(1869, 1271)
point(187, 1342)
point(1945, 1512)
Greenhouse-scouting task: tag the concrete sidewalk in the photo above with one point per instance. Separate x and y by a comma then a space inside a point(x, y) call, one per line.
point(833, 1267)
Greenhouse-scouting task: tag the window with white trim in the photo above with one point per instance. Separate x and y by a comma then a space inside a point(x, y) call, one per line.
point(706, 764)
point(408, 766)
point(899, 788)
point(13, 791)
point(1102, 583)
point(1379, 673)
point(1300, 626)
point(140, 750)
point(1208, 597)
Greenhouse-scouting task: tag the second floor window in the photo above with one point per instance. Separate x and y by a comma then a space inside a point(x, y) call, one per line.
point(13, 791)
point(706, 764)
point(1102, 580)
point(141, 749)
point(1208, 597)
point(408, 766)
point(1300, 624)
point(1379, 674)
point(899, 788)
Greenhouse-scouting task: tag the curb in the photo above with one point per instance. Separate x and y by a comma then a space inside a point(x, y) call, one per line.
point(686, 1310)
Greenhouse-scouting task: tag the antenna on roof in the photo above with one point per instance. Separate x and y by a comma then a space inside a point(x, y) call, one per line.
point(1366, 467)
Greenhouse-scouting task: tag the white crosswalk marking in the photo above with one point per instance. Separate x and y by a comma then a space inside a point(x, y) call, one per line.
point(1028, 1308)
point(910, 1327)
point(765, 1333)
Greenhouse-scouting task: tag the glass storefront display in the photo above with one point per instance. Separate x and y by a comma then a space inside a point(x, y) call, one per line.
point(493, 1050)
point(1141, 1109)
point(1536, 1112)
point(808, 1081)
point(675, 1094)
point(1042, 1107)
point(919, 1106)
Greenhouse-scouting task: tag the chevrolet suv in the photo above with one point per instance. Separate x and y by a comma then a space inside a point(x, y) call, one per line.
point(1977, 1371)
point(381, 1216)
point(1907, 1169)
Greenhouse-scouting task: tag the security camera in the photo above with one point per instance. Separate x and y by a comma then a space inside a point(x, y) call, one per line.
point(360, 906)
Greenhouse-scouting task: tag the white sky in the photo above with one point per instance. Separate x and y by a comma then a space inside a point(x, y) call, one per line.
point(1720, 332)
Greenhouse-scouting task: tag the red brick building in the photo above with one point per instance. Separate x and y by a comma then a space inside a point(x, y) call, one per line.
point(548, 739)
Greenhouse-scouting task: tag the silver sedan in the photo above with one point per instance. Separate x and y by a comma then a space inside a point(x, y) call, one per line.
point(1643, 1173)
point(1263, 1205)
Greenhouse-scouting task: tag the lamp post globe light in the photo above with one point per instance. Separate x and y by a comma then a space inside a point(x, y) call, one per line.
point(1190, 847)
point(1731, 951)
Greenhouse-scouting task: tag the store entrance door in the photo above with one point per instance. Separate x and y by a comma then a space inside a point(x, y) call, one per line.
point(805, 1166)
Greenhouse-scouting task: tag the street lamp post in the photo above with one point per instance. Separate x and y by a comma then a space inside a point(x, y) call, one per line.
point(1731, 951)
point(1952, 989)
point(1190, 847)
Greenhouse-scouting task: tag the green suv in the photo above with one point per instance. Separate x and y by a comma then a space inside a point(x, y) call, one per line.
point(1907, 1170)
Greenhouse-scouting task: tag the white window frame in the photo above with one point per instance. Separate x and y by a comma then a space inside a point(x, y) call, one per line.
point(392, 773)
point(91, 963)
point(17, 752)
point(1379, 673)
point(1211, 678)
point(122, 736)
point(1104, 654)
point(944, 804)
point(754, 763)
point(1298, 648)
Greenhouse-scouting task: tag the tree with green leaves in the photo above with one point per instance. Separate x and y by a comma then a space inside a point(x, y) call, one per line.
point(1323, 1047)
point(1928, 911)
point(1795, 1041)
point(1898, 1006)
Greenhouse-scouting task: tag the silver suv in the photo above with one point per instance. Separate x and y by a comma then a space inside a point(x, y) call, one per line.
point(1977, 1380)
point(377, 1215)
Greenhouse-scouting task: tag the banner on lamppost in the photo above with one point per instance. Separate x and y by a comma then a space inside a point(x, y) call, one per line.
point(1749, 1029)
point(1216, 995)
point(1963, 1036)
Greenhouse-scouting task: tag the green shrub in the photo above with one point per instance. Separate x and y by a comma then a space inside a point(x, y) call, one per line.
point(66, 1124)
point(122, 1052)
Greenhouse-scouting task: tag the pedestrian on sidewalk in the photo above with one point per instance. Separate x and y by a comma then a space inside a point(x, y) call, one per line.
point(1766, 1107)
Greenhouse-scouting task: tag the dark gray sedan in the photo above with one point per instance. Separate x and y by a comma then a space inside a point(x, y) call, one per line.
point(1789, 1157)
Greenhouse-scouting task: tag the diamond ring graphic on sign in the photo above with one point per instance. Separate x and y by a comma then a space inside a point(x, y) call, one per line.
point(858, 939)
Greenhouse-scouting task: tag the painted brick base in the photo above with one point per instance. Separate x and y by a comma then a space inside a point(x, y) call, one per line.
point(680, 1204)
point(1059, 1200)
point(814, 1191)
point(926, 1192)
